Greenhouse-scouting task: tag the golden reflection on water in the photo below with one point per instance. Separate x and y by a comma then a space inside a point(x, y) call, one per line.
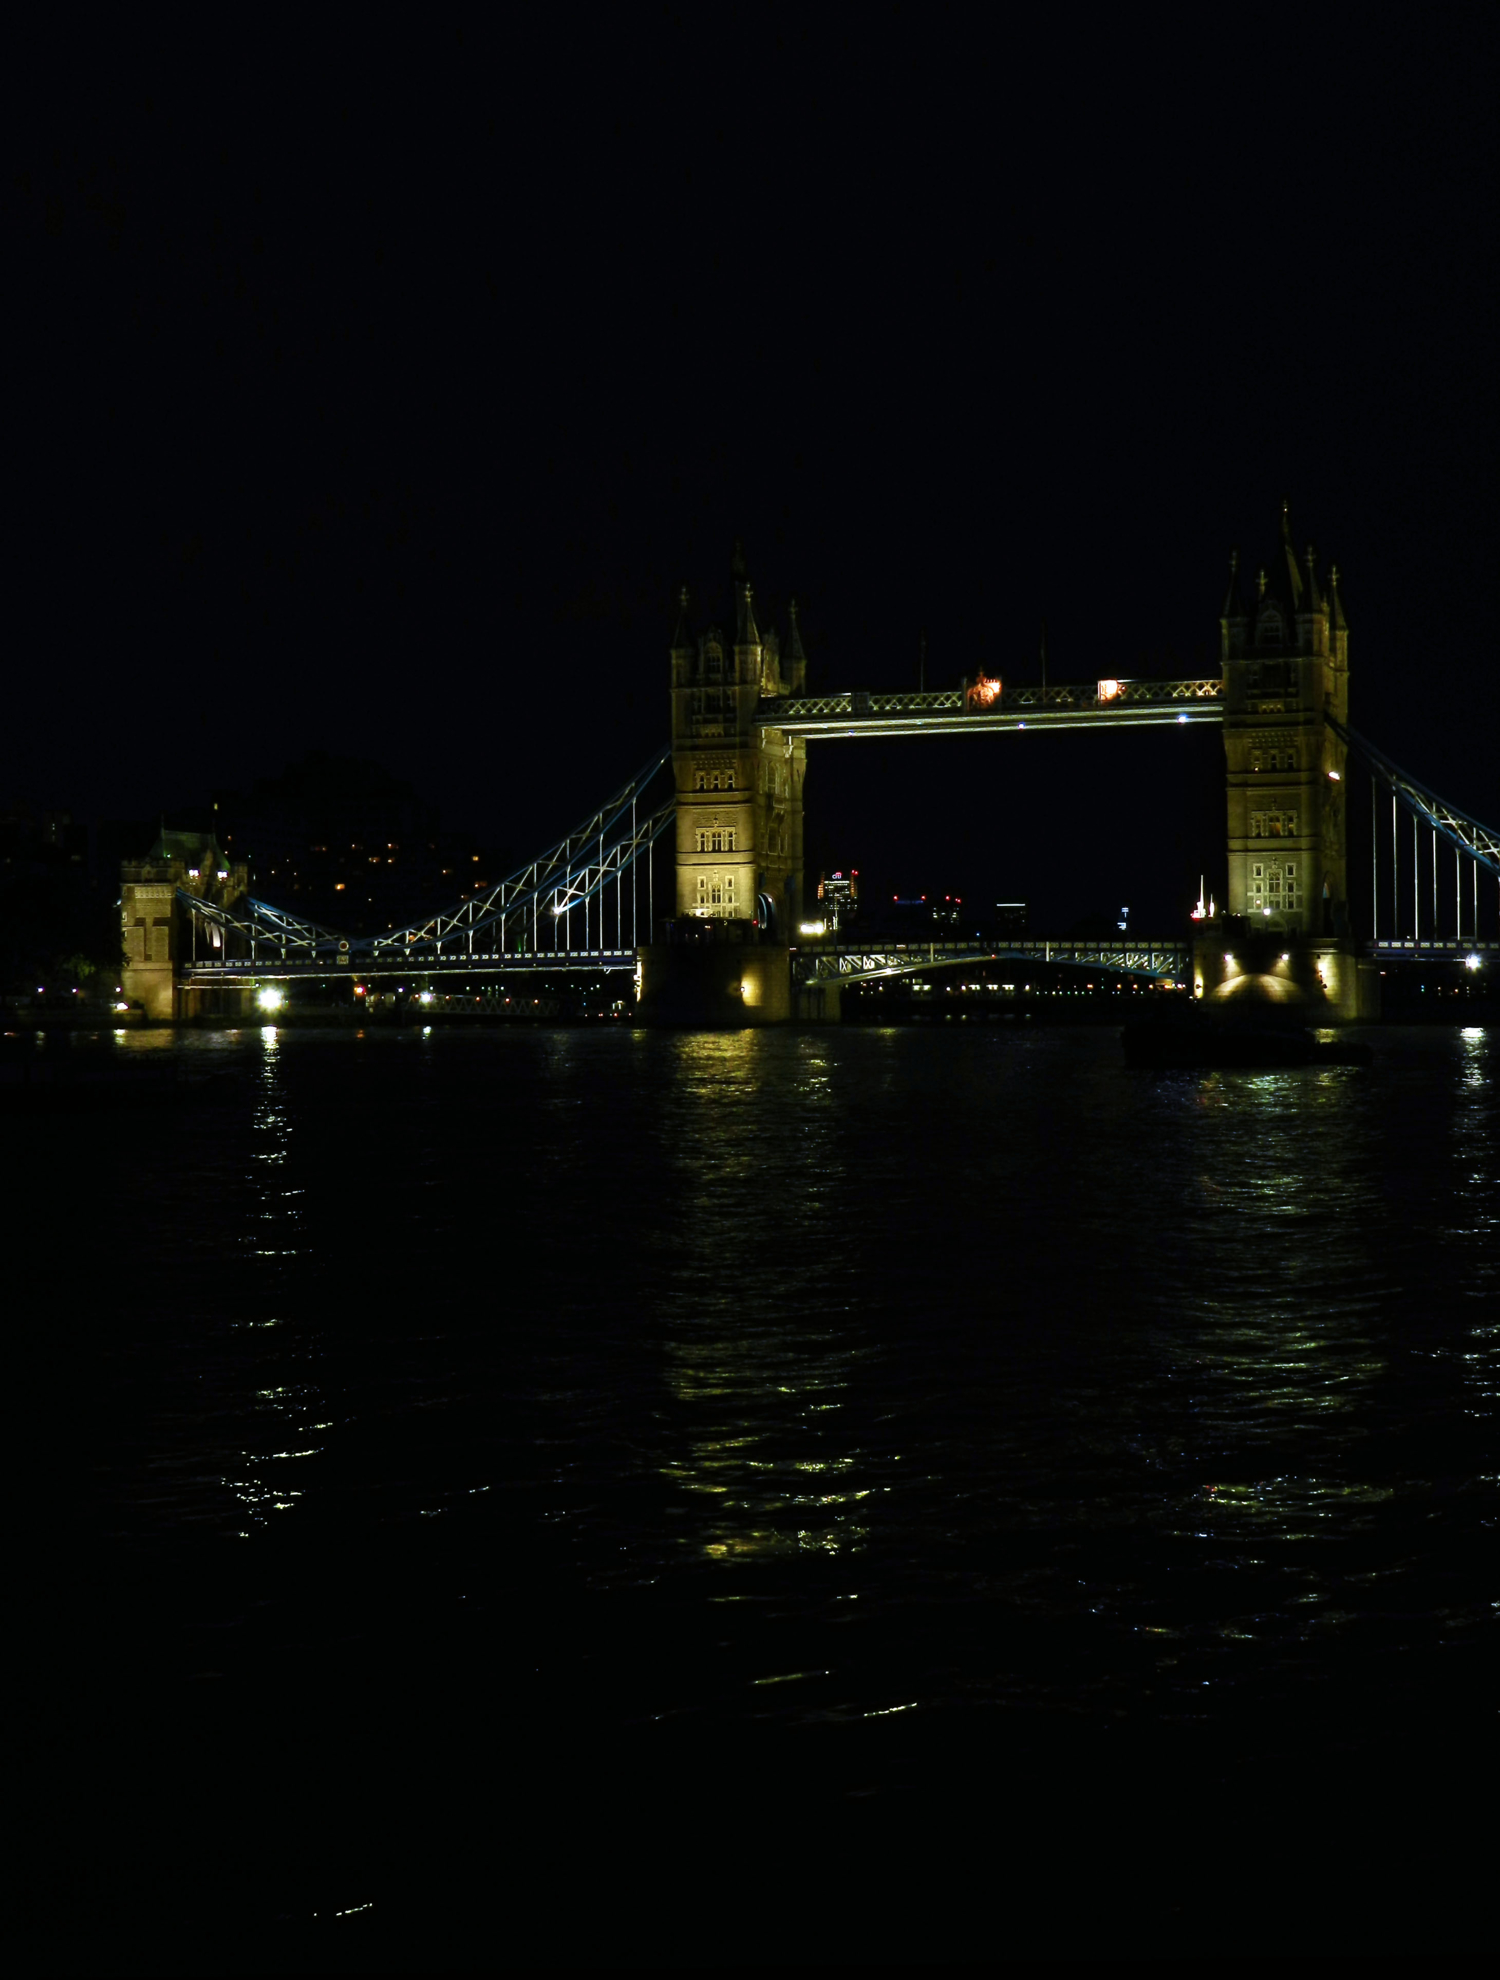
point(760, 1377)
point(292, 1415)
point(1270, 1332)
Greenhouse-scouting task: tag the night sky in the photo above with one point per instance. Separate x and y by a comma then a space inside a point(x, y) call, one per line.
point(378, 397)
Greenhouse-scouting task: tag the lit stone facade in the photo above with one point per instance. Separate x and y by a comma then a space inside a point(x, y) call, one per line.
point(155, 938)
point(1286, 666)
point(739, 785)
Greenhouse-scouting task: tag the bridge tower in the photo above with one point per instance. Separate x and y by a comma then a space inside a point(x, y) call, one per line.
point(1285, 656)
point(739, 823)
point(155, 938)
point(739, 781)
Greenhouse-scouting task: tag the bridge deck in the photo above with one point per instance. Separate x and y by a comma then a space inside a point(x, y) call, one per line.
point(273, 969)
point(869, 961)
point(956, 711)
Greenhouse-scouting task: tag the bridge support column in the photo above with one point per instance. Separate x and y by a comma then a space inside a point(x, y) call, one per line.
point(1323, 979)
point(819, 1003)
point(699, 980)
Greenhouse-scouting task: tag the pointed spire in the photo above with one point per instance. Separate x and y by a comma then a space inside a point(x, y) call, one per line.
point(746, 632)
point(794, 637)
point(682, 639)
point(1294, 576)
point(1234, 604)
point(796, 659)
point(1340, 624)
point(1314, 596)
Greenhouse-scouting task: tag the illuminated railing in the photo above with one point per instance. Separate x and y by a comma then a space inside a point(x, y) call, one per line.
point(870, 961)
point(1099, 697)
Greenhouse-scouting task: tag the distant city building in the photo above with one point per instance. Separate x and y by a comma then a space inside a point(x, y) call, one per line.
point(916, 918)
point(838, 898)
point(1011, 918)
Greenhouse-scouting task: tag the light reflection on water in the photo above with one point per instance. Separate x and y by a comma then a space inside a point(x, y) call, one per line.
point(764, 1390)
point(877, 1335)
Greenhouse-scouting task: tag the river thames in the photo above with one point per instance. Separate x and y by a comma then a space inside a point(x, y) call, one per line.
point(575, 1496)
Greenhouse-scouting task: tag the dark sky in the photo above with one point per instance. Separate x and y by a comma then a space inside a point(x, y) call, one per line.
point(378, 396)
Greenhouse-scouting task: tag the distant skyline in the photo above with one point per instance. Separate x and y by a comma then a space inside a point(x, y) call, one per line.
point(392, 422)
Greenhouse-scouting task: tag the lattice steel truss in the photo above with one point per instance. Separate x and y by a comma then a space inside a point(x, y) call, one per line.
point(533, 921)
point(266, 929)
point(873, 961)
point(527, 913)
point(1122, 702)
point(567, 874)
point(1480, 842)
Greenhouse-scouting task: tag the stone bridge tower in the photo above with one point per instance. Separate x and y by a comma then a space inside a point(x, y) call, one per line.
point(1285, 656)
point(739, 781)
point(156, 937)
point(1286, 668)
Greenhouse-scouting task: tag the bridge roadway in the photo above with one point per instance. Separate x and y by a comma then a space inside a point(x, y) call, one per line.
point(862, 963)
point(251, 970)
point(874, 962)
point(1107, 704)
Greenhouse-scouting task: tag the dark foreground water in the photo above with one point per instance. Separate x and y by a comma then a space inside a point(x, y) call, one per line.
point(580, 1496)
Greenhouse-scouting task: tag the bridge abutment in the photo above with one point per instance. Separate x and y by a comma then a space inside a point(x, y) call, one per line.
point(710, 978)
point(1324, 978)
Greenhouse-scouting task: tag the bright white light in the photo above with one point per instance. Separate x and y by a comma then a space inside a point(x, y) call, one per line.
point(1182, 718)
point(812, 927)
point(1286, 958)
point(270, 999)
point(424, 997)
point(1229, 959)
point(122, 1007)
point(1473, 962)
point(192, 873)
point(1335, 776)
point(1265, 910)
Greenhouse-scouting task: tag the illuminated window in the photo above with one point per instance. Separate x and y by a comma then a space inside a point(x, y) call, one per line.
point(717, 838)
point(716, 894)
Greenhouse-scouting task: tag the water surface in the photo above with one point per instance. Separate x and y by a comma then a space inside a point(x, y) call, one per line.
point(568, 1494)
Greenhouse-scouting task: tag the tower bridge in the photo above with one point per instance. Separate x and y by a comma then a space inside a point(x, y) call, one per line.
point(722, 945)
